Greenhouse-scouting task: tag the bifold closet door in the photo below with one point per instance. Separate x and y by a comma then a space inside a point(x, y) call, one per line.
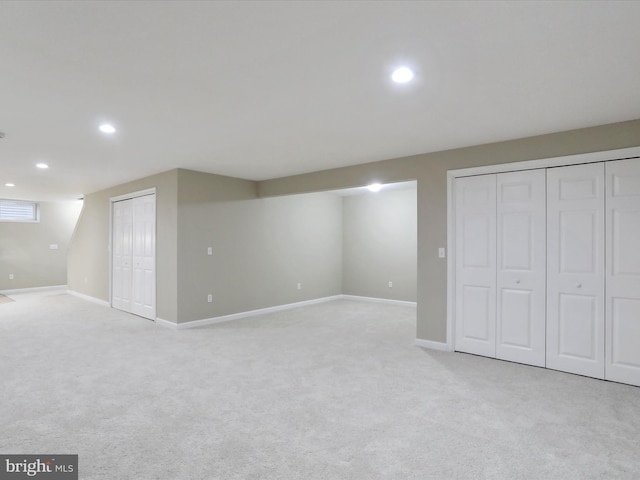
point(133, 280)
point(143, 296)
point(122, 255)
point(575, 269)
point(475, 254)
point(521, 267)
point(623, 271)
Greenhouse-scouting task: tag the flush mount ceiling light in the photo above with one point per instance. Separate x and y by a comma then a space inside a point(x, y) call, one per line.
point(107, 128)
point(374, 187)
point(402, 75)
point(9, 184)
point(42, 165)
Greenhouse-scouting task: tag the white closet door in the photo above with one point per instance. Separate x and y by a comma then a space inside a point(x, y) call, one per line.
point(521, 267)
point(623, 271)
point(122, 254)
point(575, 269)
point(144, 256)
point(133, 279)
point(475, 306)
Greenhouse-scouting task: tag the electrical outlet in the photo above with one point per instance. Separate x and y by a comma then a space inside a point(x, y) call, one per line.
point(390, 284)
point(441, 252)
point(209, 298)
point(209, 250)
point(53, 246)
point(11, 276)
point(299, 286)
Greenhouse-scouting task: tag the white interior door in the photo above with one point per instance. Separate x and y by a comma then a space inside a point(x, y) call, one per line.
point(122, 254)
point(575, 269)
point(144, 256)
point(475, 305)
point(623, 271)
point(133, 279)
point(521, 267)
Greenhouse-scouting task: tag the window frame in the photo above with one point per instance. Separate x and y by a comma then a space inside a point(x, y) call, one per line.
point(35, 206)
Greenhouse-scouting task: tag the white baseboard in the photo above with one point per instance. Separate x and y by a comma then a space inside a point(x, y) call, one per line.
point(89, 298)
point(34, 289)
point(430, 344)
point(252, 313)
point(166, 323)
point(378, 300)
point(237, 316)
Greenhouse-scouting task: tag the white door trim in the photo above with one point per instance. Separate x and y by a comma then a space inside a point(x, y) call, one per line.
point(118, 198)
point(618, 154)
point(139, 193)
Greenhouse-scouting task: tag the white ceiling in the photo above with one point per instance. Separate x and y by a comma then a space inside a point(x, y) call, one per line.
point(266, 89)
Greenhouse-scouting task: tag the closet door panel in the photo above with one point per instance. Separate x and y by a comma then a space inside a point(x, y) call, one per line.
point(521, 267)
point(516, 320)
point(133, 281)
point(122, 254)
point(623, 271)
point(144, 239)
point(475, 307)
point(575, 269)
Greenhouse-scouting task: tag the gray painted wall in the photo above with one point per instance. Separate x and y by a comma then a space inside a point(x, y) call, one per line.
point(262, 248)
point(182, 274)
point(380, 244)
point(88, 263)
point(430, 170)
point(25, 252)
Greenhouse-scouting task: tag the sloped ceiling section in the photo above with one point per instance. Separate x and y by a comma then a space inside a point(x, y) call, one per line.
point(260, 90)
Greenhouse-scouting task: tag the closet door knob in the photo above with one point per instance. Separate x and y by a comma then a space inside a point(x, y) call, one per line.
point(518, 281)
point(578, 285)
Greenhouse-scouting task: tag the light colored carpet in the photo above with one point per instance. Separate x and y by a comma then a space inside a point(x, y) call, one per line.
point(330, 391)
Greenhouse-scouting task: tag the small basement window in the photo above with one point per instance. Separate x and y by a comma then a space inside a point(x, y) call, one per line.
point(18, 211)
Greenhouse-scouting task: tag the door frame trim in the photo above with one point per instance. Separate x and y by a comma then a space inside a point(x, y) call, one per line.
point(603, 156)
point(119, 198)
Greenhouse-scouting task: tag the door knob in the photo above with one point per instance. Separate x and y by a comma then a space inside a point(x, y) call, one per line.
point(518, 281)
point(578, 285)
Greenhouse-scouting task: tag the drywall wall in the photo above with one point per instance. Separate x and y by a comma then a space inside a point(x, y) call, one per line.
point(430, 172)
point(25, 247)
point(261, 248)
point(228, 200)
point(380, 244)
point(88, 259)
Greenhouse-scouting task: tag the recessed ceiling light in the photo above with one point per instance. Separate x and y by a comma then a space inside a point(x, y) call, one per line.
point(42, 165)
point(9, 184)
point(402, 75)
point(374, 187)
point(107, 128)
